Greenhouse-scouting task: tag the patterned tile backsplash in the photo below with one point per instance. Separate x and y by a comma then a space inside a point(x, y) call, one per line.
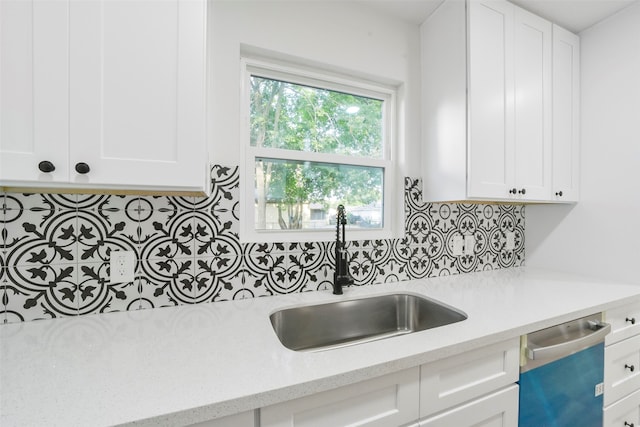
point(56, 248)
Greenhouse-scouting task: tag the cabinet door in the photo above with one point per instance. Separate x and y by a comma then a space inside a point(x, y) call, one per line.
point(137, 92)
point(449, 382)
point(566, 102)
point(624, 321)
point(624, 413)
point(33, 89)
point(391, 400)
point(532, 106)
point(490, 103)
point(621, 369)
point(499, 409)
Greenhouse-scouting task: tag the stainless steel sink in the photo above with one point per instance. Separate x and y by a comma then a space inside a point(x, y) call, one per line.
point(343, 323)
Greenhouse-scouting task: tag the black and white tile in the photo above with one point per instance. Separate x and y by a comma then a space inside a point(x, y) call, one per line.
point(54, 258)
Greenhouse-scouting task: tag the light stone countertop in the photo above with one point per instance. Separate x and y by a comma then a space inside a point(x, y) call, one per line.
point(182, 365)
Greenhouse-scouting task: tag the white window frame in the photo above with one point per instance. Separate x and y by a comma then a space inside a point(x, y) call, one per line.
point(331, 81)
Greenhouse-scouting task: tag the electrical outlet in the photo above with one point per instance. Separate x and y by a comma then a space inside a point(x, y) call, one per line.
point(458, 245)
point(122, 266)
point(599, 389)
point(511, 240)
point(469, 244)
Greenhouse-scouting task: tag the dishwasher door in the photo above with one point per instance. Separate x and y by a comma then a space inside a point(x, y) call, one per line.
point(562, 373)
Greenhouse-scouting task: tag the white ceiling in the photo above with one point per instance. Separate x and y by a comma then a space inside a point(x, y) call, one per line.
point(574, 15)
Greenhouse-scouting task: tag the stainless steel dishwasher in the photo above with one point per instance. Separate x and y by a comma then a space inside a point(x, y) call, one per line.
point(562, 373)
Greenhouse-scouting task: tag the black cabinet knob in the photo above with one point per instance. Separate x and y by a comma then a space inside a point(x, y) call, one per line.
point(46, 166)
point(559, 193)
point(523, 191)
point(82, 168)
point(631, 320)
point(630, 367)
point(513, 191)
point(628, 424)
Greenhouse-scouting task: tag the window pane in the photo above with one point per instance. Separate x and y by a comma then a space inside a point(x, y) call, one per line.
point(292, 195)
point(303, 118)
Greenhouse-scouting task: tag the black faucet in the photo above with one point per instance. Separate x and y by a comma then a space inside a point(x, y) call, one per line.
point(341, 277)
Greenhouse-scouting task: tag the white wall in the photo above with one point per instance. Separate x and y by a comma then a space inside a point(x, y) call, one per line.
point(600, 235)
point(341, 36)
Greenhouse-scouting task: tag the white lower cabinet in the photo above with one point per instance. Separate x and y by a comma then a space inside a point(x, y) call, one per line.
point(624, 413)
point(390, 400)
point(475, 388)
point(499, 409)
point(454, 380)
point(622, 367)
point(624, 321)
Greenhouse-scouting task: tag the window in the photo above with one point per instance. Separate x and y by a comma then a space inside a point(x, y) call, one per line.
point(311, 142)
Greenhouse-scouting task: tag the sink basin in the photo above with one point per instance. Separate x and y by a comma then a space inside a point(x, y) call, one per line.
point(343, 323)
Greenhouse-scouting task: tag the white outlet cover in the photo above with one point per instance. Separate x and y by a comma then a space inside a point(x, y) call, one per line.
point(599, 389)
point(458, 245)
point(122, 266)
point(511, 241)
point(469, 244)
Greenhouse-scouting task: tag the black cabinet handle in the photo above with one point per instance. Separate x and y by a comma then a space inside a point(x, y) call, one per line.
point(628, 424)
point(46, 166)
point(82, 168)
point(513, 191)
point(629, 367)
point(559, 193)
point(631, 320)
point(523, 191)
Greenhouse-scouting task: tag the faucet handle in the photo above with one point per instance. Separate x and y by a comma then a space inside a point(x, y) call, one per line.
point(341, 275)
point(340, 215)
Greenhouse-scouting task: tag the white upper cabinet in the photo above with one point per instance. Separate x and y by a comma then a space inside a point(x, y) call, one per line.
point(566, 101)
point(137, 91)
point(532, 105)
point(34, 90)
point(491, 91)
point(127, 99)
point(488, 98)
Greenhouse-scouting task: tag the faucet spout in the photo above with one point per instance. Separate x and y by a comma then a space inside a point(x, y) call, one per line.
point(341, 276)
